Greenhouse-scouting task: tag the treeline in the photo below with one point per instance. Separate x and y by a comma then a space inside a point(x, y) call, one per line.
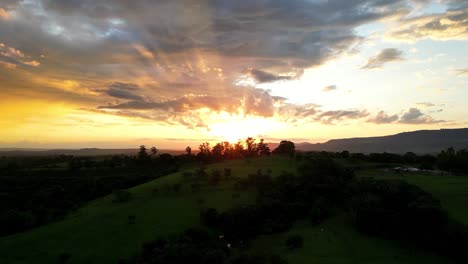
point(241, 149)
point(38, 190)
point(449, 160)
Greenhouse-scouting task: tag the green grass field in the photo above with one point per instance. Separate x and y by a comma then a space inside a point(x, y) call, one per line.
point(452, 191)
point(100, 232)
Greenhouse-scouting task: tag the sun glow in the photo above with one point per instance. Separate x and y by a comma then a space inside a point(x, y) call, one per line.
point(241, 128)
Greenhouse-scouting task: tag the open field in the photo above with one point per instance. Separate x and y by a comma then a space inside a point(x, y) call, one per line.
point(336, 241)
point(101, 232)
point(452, 191)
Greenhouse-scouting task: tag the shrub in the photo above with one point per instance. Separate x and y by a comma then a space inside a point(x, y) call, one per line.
point(294, 242)
point(122, 196)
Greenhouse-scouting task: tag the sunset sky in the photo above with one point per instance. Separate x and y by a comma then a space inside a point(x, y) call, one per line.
point(172, 73)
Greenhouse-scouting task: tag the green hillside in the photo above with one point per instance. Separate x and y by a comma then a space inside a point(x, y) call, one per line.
point(104, 231)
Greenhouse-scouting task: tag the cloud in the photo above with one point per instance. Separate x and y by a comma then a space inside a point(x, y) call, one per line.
point(452, 24)
point(32, 63)
point(415, 116)
point(11, 57)
point(143, 61)
point(8, 65)
point(249, 101)
point(4, 14)
point(265, 77)
point(385, 56)
point(329, 117)
point(425, 104)
point(329, 88)
point(383, 118)
point(123, 91)
point(463, 72)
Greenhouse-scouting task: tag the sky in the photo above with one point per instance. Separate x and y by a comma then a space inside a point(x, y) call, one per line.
point(172, 73)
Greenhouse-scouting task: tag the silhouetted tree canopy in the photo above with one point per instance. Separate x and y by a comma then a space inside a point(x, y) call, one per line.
point(285, 147)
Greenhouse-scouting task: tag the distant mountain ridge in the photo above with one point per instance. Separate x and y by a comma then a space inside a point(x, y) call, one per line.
point(420, 141)
point(76, 152)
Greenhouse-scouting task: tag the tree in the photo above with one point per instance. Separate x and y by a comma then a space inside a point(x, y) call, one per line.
point(218, 150)
point(251, 146)
point(344, 154)
point(285, 147)
point(263, 148)
point(294, 241)
point(188, 149)
point(239, 149)
point(228, 150)
point(142, 154)
point(205, 153)
point(154, 151)
point(205, 148)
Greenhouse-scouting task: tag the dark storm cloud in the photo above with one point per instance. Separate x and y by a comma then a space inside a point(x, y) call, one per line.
point(292, 34)
point(383, 118)
point(384, 56)
point(415, 116)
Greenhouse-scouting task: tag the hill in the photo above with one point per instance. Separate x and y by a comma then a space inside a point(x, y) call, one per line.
point(421, 141)
point(101, 231)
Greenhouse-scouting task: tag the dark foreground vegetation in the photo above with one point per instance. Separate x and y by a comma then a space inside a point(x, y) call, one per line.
point(392, 210)
point(38, 190)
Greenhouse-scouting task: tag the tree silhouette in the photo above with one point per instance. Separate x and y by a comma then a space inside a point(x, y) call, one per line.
point(263, 148)
point(188, 149)
point(142, 154)
point(251, 146)
point(239, 149)
point(285, 147)
point(154, 151)
point(218, 151)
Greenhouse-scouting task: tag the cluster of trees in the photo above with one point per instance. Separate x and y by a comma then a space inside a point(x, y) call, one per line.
point(398, 210)
point(247, 148)
point(314, 194)
point(389, 209)
point(454, 161)
point(38, 190)
point(226, 150)
point(447, 160)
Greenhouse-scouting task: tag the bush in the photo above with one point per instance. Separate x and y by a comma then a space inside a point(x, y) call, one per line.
point(122, 196)
point(209, 217)
point(63, 258)
point(294, 242)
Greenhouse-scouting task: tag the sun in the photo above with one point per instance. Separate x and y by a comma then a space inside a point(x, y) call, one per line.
point(240, 128)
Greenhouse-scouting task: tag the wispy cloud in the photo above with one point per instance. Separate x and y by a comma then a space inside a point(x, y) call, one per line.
point(384, 56)
point(329, 88)
point(463, 72)
point(452, 24)
point(383, 118)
